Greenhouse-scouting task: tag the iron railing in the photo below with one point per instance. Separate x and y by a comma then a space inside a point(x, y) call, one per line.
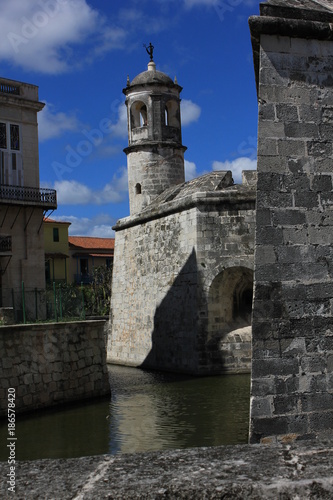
point(7, 88)
point(28, 196)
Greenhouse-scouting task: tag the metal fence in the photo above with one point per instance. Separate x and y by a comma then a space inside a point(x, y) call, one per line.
point(57, 303)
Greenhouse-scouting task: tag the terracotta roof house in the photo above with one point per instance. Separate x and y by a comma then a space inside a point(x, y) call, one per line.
point(56, 251)
point(88, 253)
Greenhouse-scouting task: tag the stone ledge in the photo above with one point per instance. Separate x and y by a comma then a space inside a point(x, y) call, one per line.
point(300, 470)
point(235, 198)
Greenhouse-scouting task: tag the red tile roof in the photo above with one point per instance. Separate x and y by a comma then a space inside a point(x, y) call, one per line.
point(52, 221)
point(90, 243)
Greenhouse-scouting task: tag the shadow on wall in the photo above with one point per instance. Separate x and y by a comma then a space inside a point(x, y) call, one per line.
point(175, 323)
point(204, 336)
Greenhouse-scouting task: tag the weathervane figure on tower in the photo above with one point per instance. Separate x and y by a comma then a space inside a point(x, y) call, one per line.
point(150, 50)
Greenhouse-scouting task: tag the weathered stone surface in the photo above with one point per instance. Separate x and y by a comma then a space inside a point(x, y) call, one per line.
point(292, 315)
point(62, 354)
point(301, 470)
point(173, 262)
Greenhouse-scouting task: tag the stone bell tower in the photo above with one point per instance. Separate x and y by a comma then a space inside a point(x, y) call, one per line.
point(155, 154)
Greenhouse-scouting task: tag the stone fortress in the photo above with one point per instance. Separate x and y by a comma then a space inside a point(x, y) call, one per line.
point(184, 258)
point(292, 317)
point(184, 246)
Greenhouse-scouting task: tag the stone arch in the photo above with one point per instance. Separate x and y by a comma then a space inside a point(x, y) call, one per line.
point(139, 116)
point(230, 301)
point(172, 113)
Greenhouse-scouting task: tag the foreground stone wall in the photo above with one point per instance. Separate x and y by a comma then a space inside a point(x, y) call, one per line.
point(292, 371)
point(50, 364)
point(230, 472)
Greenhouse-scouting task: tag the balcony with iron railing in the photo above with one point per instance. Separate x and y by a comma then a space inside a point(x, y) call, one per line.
point(28, 196)
point(7, 87)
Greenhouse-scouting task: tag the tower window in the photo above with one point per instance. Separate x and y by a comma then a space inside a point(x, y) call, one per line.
point(143, 116)
point(138, 189)
point(172, 114)
point(139, 116)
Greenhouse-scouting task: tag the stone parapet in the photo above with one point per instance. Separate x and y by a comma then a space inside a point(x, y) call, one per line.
point(301, 470)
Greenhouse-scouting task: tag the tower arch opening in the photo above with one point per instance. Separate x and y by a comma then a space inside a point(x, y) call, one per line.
point(172, 113)
point(139, 115)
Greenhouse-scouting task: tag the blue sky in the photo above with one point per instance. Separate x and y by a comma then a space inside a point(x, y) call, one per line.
point(79, 53)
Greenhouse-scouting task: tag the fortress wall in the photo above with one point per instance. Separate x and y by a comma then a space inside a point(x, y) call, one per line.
point(51, 364)
point(154, 294)
point(162, 279)
point(225, 251)
point(292, 369)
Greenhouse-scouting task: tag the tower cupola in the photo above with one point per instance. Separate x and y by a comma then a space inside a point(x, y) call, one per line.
point(155, 154)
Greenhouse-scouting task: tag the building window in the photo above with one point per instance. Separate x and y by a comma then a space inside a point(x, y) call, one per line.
point(138, 189)
point(84, 267)
point(11, 131)
point(11, 164)
point(55, 234)
point(14, 137)
point(3, 136)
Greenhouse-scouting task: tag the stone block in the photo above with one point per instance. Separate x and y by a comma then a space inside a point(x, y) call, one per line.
point(272, 130)
point(278, 366)
point(292, 147)
point(301, 130)
point(322, 183)
point(286, 112)
point(285, 403)
point(275, 44)
point(316, 402)
point(319, 148)
point(267, 111)
point(261, 407)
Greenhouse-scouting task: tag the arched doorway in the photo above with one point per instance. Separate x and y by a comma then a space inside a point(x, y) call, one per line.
point(230, 301)
point(228, 344)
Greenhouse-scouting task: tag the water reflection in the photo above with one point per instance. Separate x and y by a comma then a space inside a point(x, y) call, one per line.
point(158, 411)
point(148, 411)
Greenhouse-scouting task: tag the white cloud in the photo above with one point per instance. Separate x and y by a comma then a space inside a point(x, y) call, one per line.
point(75, 193)
point(52, 124)
point(236, 166)
point(99, 226)
point(190, 112)
point(119, 129)
point(40, 35)
point(190, 170)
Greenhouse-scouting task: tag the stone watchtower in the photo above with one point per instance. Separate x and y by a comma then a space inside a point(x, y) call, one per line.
point(155, 154)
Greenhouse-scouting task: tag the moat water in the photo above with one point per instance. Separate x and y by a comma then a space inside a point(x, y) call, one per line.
point(147, 411)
